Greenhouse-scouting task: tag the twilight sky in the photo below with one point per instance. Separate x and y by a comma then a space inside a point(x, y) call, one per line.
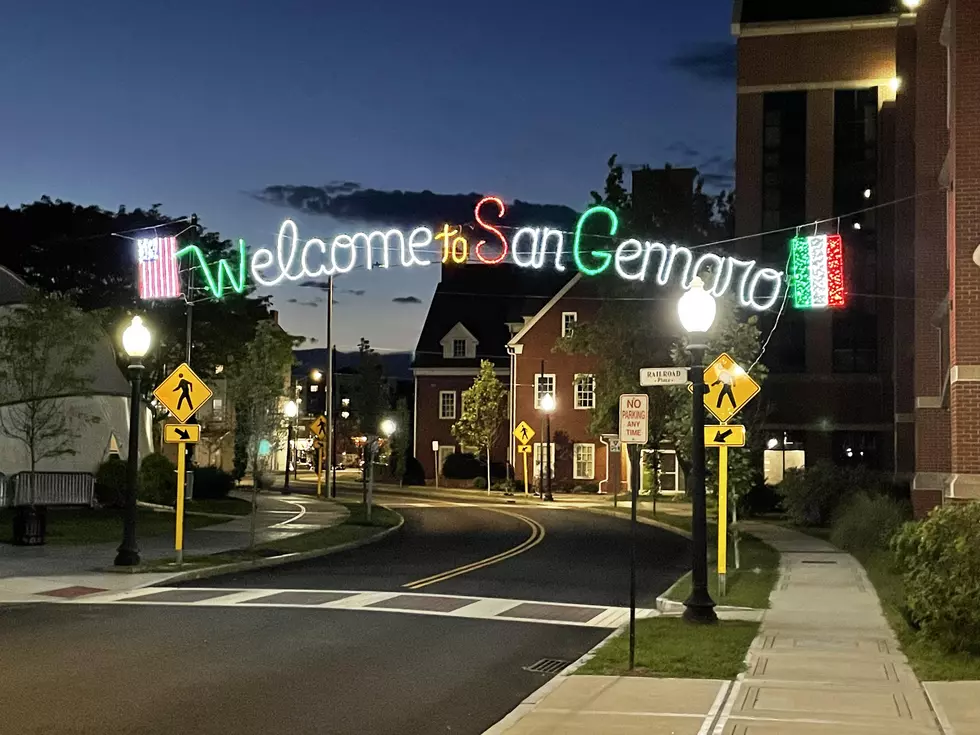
point(201, 105)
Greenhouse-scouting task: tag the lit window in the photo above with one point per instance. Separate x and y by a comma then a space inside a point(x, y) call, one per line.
point(459, 348)
point(217, 407)
point(584, 391)
point(543, 384)
point(568, 319)
point(447, 404)
point(539, 461)
point(584, 462)
point(314, 388)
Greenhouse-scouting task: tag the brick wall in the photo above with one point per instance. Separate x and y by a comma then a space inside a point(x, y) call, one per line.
point(568, 425)
point(925, 500)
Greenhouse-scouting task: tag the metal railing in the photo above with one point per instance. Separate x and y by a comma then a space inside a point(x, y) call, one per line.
point(47, 488)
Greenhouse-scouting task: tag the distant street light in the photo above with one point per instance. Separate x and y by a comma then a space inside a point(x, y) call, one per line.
point(136, 342)
point(290, 410)
point(548, 406)
point(345, 415)
point(388, 427)
point(697, 309)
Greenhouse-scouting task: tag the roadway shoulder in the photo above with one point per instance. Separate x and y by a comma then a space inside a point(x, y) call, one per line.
point(640, 519)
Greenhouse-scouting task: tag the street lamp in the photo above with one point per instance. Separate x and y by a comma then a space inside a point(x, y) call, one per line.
point(136, 343)
point(696, 309)
point(316, 376)
point(290, 410)
point(548, 406)
point(388, 427)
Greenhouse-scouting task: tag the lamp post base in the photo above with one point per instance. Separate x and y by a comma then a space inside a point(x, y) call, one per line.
point(127, 557)
point(700, 609)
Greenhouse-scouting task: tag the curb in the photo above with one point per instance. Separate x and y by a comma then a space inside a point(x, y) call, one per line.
point(275, 561)
point(532, 700)
point(639, 519)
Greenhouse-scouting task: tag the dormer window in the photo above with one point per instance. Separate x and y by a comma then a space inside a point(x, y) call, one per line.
point(459, 343)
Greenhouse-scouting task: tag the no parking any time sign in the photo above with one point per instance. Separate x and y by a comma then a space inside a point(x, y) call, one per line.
point(634, 413)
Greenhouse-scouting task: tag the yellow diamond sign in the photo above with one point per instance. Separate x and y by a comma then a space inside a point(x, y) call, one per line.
point(727, 387)
point(183, 393)
point(524, 433)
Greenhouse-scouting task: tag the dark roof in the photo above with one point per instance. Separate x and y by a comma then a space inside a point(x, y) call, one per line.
point(768, 11)
point(484, 299)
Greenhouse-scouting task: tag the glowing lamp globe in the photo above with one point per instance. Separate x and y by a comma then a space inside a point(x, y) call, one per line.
point(388, 427)
point(697, 308)
point(290, 409)
point(136, 338)
point(547, 403)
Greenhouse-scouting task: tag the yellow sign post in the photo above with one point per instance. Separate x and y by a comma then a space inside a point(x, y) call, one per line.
point(722, 518)
point(183, 394)
point(524, 434)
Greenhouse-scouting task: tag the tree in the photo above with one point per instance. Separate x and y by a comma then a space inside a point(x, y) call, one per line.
point(46, 347)
point(402, 440)
point(484, 412)
point(257, 385)
point(369, 398)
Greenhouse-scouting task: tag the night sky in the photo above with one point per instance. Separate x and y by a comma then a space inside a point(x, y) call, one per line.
point(200, 106)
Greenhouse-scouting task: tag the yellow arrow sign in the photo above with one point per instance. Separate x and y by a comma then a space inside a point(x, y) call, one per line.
point(524, 449)
point(183, 393)
point(182, 433)
point(524, 433)
point(724, 436)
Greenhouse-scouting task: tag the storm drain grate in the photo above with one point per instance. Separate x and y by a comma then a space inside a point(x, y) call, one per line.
point(818, 561)
point(547, 666)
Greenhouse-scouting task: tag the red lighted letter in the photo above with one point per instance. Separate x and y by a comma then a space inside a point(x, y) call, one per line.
point(501, 211)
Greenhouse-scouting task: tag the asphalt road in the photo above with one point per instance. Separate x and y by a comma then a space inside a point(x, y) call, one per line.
point(582, 558)
point(92, 670)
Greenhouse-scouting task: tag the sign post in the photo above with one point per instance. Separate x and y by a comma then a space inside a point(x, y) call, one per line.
point(435, 457)
point(191, 394)
point(319, 430)
point(634, 430)
point(722, 519)
point(524, 434)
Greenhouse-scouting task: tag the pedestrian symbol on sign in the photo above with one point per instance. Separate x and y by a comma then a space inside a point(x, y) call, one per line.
point(726, 380)
point(185, 387)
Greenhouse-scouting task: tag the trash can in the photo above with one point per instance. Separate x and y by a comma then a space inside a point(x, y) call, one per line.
point(30, 525)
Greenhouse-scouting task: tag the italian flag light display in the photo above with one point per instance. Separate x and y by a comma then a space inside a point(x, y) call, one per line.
point(817, 267)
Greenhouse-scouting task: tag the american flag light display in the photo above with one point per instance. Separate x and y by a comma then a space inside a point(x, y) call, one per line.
point(158, 274)
point(817, 266)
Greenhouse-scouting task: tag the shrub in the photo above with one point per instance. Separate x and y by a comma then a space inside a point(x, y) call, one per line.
point(212, 483)
point(812, 495)
point(940, 558)
point(504, 486)
point(867, 522)
point(414, 473)
point(761, 499)
point(480, 483)
point(158, 480)
point(110, 483)
point(463, 467)
point(586, 487)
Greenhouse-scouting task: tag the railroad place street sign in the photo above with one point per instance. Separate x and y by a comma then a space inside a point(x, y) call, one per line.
point(634, 415)
point(183, 393)
point(663, 376)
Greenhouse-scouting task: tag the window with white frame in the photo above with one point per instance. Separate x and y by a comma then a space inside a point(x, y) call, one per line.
point(543, 384)
point(568, 319)
point(447, 404)
point(314, 388)
point(538, 459)
point(217, 408)
point(584, 462)
point(459, 348)
point(584, 391)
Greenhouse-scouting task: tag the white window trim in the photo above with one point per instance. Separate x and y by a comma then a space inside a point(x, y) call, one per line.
point(575, 473)
point(443, 417)
point(452, 348)
point(554, 390)
point(578, 377)
point(565, 332)
point(538, 459)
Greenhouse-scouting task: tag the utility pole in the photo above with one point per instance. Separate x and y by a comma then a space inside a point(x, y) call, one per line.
point(329, 386)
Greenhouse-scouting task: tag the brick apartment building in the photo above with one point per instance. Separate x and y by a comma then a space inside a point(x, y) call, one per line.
point(851, 105)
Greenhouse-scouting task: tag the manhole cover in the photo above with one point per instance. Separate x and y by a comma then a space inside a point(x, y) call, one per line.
point(547, 666)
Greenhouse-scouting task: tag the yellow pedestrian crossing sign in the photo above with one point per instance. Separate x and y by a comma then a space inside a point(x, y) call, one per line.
point(524, 433)
point(319, 426)
point(183, 393)
point(727, 387)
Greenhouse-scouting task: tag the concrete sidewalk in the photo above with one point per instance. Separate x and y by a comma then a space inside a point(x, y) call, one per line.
point(825, 662)
point(50, 570)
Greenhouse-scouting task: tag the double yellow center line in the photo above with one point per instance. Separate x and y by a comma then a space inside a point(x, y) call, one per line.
point(537, 535)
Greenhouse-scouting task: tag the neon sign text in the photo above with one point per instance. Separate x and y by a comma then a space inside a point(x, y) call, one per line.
point(529, 247)
point(217, 287)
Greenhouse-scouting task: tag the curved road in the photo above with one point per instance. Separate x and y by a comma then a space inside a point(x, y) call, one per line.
point(266, 670)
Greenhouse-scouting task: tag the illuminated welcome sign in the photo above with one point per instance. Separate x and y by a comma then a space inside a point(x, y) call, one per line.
point(531, 247)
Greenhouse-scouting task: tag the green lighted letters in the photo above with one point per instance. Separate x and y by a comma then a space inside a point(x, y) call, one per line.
point(224, 270)
point(604, 258)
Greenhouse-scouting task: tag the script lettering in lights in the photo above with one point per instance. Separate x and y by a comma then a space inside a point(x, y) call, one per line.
point(631, 259)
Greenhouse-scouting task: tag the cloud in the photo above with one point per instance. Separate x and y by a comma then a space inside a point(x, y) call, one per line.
point(319, 285)
point(293, 301)
point(355, 291)
point(407, 300)
point(348, 202)
point(683, 150)
point(711, 61)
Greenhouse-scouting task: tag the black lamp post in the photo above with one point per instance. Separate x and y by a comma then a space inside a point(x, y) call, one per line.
point(696, 309)
point(548, 406)
point(290, 410)
point(136, 343)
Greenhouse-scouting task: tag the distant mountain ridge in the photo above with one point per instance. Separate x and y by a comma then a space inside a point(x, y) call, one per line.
point(396, 365)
